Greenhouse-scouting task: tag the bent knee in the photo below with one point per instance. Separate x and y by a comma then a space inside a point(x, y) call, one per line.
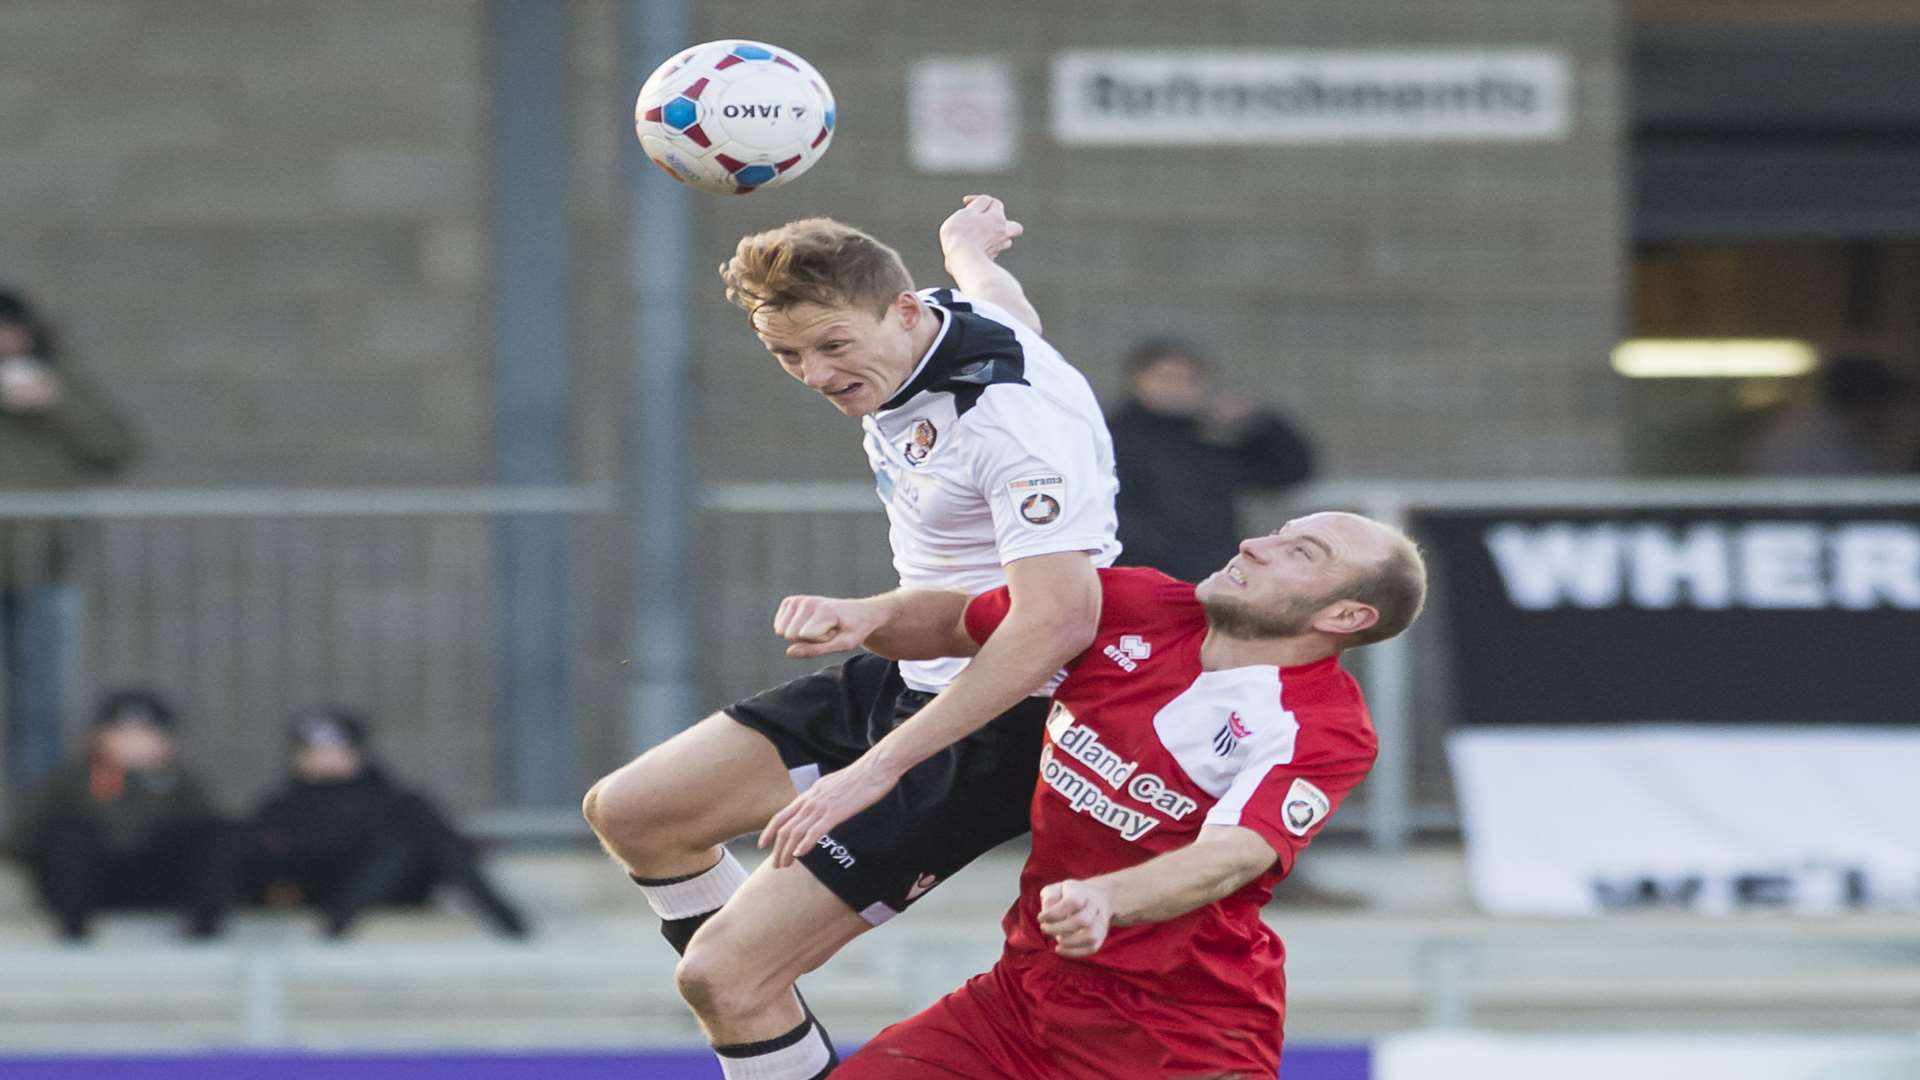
point(719, 982)
point(618, 810)
point(590, 805)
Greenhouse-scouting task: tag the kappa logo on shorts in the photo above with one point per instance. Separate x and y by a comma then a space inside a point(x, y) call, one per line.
point(1304, 807)
point(921, 884)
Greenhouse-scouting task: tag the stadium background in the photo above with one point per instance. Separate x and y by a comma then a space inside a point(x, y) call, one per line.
point(443, 414)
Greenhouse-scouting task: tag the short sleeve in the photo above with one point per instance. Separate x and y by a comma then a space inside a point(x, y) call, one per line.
point(986, 612)
point(1287, 794)
point(1288, 804)
point(1040, 468)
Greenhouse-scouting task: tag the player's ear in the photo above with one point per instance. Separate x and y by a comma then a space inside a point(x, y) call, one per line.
point(909, 308)
point(1344, 617)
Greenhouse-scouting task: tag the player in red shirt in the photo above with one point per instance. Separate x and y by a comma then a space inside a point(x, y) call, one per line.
point(1192, 752)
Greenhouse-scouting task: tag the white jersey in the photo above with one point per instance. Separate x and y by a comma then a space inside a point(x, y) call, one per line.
point(994, 450)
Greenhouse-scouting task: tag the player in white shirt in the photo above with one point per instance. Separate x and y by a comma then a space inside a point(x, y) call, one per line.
point(993, 460)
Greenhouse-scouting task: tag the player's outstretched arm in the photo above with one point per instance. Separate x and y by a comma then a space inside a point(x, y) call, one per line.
point(972, 238)
point(1054, 609)
point(905, 624)
point(1222, 859)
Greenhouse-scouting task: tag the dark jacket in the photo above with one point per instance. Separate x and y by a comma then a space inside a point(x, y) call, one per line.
point(130, 807)
point(353, 845)
point(80, 439)
point(336, 819)
point(1178, 486)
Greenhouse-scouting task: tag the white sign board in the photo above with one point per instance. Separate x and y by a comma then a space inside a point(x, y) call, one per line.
point(1584, 820)
point(963, 115)
point(1473, 1055)
point(1223, 97)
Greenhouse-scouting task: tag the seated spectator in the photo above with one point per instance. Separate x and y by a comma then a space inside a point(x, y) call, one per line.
point(127, 827)
point(343, 838)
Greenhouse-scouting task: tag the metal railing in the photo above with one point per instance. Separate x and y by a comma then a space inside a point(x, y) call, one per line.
point(828, 538)
point(243, 604)
point(248, 603)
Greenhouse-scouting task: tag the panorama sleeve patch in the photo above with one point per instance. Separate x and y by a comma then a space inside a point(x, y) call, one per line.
point(1038, 501)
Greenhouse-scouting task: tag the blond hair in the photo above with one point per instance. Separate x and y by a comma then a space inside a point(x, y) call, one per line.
point(814, 261)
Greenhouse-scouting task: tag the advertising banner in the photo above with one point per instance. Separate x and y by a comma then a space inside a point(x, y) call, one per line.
point(1713, 709)
point(1198, 97)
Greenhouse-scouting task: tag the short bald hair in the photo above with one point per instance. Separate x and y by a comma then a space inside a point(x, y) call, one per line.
point(1396, 588)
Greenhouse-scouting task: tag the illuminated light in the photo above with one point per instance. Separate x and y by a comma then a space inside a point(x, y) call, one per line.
point(1714, 358)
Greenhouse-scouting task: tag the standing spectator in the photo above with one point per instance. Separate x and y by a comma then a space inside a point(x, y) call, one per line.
point(55, 432)
point(1861, 423)
point(1184, 454)
point(127, 827)
point(342, 837)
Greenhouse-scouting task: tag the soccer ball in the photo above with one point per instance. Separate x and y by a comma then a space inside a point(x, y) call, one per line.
point(734, 116)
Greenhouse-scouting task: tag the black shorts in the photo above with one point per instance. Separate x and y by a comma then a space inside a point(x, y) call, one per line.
point(945, 812)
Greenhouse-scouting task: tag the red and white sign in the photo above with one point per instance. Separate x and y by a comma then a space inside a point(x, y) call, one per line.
point(963, 115)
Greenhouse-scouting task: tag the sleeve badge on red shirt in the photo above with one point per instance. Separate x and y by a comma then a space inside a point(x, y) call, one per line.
point(1305, 807)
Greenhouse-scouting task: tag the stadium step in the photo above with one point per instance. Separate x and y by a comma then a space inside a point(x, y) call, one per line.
point(596, 973)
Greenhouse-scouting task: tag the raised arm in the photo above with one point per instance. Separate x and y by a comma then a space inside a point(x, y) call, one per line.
point(1222, 859)
point(1053, 614)
point(972, 238)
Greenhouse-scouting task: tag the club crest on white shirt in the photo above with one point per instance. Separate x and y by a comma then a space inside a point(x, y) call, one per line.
point(920, 440)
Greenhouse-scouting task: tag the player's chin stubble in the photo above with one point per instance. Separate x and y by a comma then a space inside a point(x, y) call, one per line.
point(1238, 619)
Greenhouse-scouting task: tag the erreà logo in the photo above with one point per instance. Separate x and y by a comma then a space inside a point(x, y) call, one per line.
point(1129, 652)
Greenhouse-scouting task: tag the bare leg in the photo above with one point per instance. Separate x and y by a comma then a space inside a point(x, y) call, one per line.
point(739, 971)
point(665, 813)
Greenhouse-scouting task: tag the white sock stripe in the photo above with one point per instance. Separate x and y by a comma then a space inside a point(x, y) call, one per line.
point(697, 895)
point(801, 1061)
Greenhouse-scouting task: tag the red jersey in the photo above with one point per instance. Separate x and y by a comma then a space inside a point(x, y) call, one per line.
point(1144, 748)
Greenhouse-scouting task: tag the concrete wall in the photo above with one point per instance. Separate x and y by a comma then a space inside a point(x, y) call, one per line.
point(261, 224)
point(1423, 309)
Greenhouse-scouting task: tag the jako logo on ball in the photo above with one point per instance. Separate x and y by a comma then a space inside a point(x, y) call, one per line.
point(735, 116)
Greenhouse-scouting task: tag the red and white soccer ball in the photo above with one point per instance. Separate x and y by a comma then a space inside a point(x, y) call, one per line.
point(735, 116)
